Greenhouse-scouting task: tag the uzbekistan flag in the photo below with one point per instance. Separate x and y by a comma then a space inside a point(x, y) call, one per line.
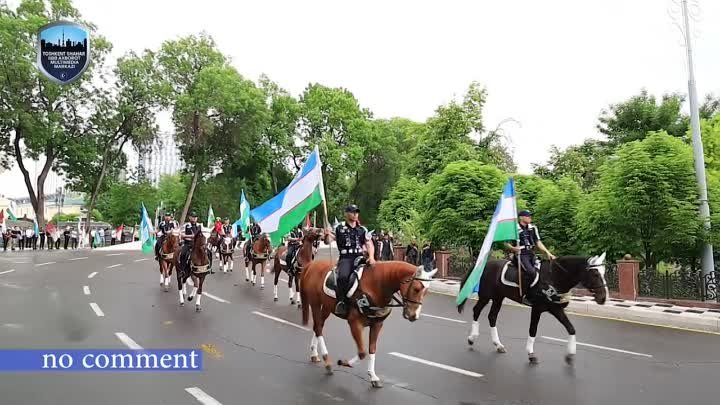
point(279, 215)
point(503, 227)
point(147, 236)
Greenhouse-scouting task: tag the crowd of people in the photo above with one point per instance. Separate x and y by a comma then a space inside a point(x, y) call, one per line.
point(384, 251)
point(51, 237)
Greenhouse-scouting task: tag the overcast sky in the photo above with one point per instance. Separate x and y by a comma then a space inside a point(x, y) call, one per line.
point(551, 65)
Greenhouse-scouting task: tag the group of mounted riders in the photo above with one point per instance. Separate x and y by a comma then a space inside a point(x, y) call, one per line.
point(362, 291)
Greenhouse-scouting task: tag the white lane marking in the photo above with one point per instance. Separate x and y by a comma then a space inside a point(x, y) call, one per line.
point(202, 396)
point(97, 309)
point(128, 341)
point(280, 320)
point(218, 299)
point(283, 279)
point(599, 347)
point(141, 260)
point(44, 264)
point(444, 319)
point(438, 365)
point(115, 254)
point(78, 258)
point(91, 275)
point(86, 290)
point(19, 262)
point(114, 265)
point(7, 271)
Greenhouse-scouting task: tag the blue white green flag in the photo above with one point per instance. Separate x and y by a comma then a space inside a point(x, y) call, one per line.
point(147, 236)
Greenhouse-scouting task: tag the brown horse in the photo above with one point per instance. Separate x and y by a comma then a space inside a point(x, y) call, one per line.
point(562, 273)
point(227, 247)
point(167, 258)
point(304, 255)
point(379, 285)
point(259, 254)
point(197, 268)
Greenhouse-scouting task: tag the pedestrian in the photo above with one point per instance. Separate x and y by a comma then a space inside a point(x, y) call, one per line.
point(427, 256)
point(66, 237)
point(387, 248)
point(74, 237)
point(43, 234)
point(58, 235)
point(92, 238)
point(21, 238)
point(411, 253)
point(15, 238)
point(32, 239)
point(50, 237)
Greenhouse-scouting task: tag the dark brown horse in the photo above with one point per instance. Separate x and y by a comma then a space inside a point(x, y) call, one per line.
point(563, 273)
point(380, 284)
point(259, 254)
point(304, 255)
point(167, 258)
point(197, 268)
point(227, 247)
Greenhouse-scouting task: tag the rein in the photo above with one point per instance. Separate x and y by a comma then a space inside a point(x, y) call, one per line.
point(589, 266)
point(403, 299)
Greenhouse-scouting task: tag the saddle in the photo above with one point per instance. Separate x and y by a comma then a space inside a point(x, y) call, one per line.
point(509, 276)
point(362, 301)
point(185, 258)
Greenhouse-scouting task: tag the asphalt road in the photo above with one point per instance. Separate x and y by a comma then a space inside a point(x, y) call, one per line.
point(253, 359)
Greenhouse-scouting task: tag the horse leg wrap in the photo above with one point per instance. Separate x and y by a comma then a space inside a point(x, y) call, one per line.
point(494, 336)
point(192, 294)
point(275, 291)
point(571, 345)
point(371, 368)
point(197, 303)
point(313, 346)
point(321, 346)
point(530, 345)
point(162, 278)
point(182, 296)
point(167, 281)
point(474, 332)
point(291, 295)
point(353, 360)
point(262, 280)
point(247, 274)
point(297, 297)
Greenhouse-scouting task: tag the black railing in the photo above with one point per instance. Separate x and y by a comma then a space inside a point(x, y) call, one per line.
point(683, 283)
point(611, 277)
point(459, 265)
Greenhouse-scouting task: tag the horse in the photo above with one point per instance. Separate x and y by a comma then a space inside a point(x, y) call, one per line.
point(197, 268)
point(303, 255)
point(167, 258)
point(227, 246)
point(259, 254)
point(562, 273)
point(213, 242)
point(378, 285)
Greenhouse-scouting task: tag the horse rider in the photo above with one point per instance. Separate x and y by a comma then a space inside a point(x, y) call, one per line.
point(164, 227)
point(227, 228)
point(294, 240)
point(529, 239)
point(350, 237)
point(189, 231)
point(218, 226)
point(255, 232)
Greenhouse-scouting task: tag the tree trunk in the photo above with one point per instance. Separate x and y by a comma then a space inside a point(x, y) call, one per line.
point(36, 199)
point(186, 208)
point(107, 161)
point(273, 177)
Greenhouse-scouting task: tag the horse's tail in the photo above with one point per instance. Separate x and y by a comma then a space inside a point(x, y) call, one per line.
point(461, 306)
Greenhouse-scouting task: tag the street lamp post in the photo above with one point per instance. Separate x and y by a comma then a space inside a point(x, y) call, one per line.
point(708, 262)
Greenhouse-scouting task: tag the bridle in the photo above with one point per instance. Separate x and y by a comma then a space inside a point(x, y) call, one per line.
point(402, 301)
point(588, 267)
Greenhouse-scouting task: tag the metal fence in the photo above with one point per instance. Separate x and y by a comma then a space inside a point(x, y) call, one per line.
point(611, 277)
point(459, 264)
point(682, 283)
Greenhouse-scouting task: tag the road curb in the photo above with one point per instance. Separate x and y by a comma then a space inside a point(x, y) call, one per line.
point(622, 311)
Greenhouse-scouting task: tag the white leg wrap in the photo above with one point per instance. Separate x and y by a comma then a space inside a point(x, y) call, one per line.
point(571, 345)
point(530, 345)
point(475, 329)
point(167, 281)
point(494, 336)
point(192, 294)
point(182, 295)
point(321, 346)
point(297, 297)
point(354, 360)
point(183, 289)
point(371, 368)
point(275, 291)
point(247, 274)
point(162, 278)
point(313, 345)
point(291, 294)
point(197, 303)
point(262, 280)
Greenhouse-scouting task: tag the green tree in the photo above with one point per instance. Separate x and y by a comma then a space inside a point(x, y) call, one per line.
point(459, 202)
point(528, 189)
point(578, 162)
point(555, 213)
point(215, 110)
point(645, 203)
point(121, 203)
point(397, 209)
point(333, 119)
point(37, 116)
point(637, 117)
point(123, 115)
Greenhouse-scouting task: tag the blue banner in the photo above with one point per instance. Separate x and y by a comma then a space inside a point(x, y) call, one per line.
point(123, 360)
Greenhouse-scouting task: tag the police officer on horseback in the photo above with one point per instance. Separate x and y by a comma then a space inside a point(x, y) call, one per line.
point(190, 229)
point(529, 239)
point(227, 228)
point(294, 240)
point(164, 227)
point(350, 237)
point(255, 232)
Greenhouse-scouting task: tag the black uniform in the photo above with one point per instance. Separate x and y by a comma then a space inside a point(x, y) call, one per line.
point(255, 232)
point(165, 228)
point(227, 230)
point(293, 246)
point(350, 242)
point(188, 229)
point(528, 238)
point(411, 254)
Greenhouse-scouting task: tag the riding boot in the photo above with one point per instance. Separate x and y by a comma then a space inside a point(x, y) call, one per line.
point(341, 307)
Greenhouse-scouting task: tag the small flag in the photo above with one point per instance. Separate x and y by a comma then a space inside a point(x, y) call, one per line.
point(147, 236)
point(503, 227)
point(211, 217)
point(11, 215)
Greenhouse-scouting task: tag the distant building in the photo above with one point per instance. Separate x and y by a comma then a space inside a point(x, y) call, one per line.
point(65, 202)
point(162, 158)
